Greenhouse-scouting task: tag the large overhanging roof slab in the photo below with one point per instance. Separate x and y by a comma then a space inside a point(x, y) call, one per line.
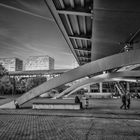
point(79, 13)
point(74, 19)
point(84, 50)
point(116, 25)
point(80, 37)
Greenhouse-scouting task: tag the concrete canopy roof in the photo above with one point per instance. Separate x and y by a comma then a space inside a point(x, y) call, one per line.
point(74, 19)
point(97, 28)
point(115, 24)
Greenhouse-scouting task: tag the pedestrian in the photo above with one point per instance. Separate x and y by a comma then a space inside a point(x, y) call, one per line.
point(16, 104)
point(123, 101)
point(77, 100)
point(128, 99)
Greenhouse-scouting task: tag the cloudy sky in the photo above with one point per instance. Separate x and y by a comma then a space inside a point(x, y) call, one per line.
point(28, 29)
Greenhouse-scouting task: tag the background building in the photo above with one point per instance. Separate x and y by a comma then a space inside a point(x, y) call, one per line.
point(12, 64)
point(39, 63)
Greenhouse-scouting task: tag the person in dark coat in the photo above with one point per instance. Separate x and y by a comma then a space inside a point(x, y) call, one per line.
point(123, 101)
point(77, 100)
point(16, 104)
point(128, 99)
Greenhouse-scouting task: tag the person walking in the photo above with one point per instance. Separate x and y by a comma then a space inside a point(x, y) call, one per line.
point(77, 100)
point(123, 101)
point(128, 99)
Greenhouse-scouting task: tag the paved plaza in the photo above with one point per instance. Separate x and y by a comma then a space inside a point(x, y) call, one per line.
point(105, 121)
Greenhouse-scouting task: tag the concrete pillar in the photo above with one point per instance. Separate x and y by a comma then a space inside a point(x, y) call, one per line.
point(88, 88)
point(101, 87)
point(127, 86)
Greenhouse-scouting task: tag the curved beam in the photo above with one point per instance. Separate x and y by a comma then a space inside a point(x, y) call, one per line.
point(80, 84)
point(97, 79)
point(93, 81)
point(110, 62)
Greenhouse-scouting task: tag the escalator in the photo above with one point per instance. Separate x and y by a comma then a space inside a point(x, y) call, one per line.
point(120, 88)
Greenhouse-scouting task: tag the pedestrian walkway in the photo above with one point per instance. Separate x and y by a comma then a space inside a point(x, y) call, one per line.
point(103, 121)
point(106, 108)
point(44, 127)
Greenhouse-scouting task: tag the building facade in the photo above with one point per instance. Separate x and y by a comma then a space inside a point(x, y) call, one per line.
point(39, 63)
point(12, 64)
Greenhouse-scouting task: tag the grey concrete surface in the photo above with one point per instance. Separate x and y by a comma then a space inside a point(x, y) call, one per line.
point(34, 127)
point(104, 121)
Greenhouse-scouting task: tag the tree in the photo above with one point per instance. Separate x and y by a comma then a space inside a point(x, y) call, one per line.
point(34, 82)
point(3, 71)
point(5, 84)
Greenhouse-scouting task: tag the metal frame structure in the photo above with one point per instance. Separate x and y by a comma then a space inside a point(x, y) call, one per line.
point(100, 78)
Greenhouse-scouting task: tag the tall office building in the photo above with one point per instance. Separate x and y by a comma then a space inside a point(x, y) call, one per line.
point(12, 64)
point(39, 63)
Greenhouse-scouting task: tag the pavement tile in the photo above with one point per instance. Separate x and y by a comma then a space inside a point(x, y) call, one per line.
point(92, 124)
point(27, 127)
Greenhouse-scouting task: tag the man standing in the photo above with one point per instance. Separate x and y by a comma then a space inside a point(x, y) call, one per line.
point(128, 99)
point(123, 101)
point(77, 100)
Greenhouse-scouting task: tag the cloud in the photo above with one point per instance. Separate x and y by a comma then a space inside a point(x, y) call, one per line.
point(44, 47)
point(64, 66)
point(33, 48)
point(23, 36)
point(66, 53)
point(30, 4)
point(26, 12)
point(3, 32)
point(5, 28)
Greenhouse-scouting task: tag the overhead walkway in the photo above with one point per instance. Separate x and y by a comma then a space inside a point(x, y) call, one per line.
point(94, 67)
point(38, 72)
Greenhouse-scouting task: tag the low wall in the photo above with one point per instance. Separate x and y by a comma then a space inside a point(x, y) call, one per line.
point(72, 106)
